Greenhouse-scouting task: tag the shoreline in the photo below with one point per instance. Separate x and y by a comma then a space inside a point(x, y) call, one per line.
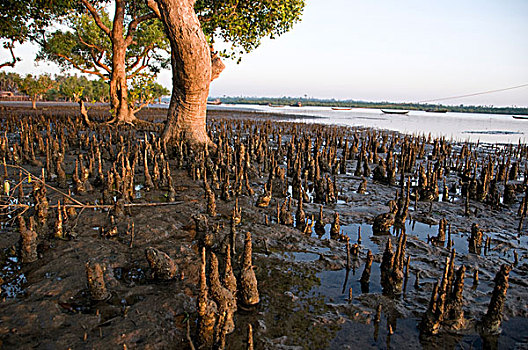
point(157, 114)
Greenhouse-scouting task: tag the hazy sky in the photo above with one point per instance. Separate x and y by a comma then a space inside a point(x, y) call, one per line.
point(386, 50)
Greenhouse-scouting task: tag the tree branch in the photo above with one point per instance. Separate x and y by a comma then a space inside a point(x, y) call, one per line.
point(97, 61)
point(153, 5)
point(92, 46)
point(96, 17)
point(139, 57)
point(217, 66)
point(145, 64)
point(140, 107)
point(75, 65)
point(14, 58)
point(132, 27)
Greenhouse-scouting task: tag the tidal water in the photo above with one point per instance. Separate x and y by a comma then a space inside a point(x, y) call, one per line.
point(473, 127)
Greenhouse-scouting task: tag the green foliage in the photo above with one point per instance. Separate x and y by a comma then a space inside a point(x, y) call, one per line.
point(86, 47)
point(76, 88)
point(149, 48)
point(34, 87)
point(97, 91)
point(23, 20)
point(9, 81)
point(243, 24)
point(73, 87)
point(144, 90)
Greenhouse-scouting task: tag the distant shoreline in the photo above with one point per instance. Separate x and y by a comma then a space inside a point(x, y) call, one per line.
point(304, 102)
point(432, 108)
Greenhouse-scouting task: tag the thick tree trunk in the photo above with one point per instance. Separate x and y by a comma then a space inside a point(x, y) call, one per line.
point(192, 72)
point(118, 84)
point(34, 102)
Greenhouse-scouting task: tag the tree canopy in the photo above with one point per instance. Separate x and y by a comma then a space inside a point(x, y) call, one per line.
point(84, 45)
point(34, 87)
point(243, 24)
point(23, 20)
point(120, 48)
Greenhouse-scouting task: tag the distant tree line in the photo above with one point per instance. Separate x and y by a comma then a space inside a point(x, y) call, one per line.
point(74, 88)
point(382, 105)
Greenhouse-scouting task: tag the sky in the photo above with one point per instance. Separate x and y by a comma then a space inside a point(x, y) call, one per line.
point(382, 50)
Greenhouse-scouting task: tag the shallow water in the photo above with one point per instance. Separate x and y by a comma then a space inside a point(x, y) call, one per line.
point(332, 287)
point(486, 128)
point(13, 278)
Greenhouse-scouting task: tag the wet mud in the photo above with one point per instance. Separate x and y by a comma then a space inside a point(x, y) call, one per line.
point(121, 223)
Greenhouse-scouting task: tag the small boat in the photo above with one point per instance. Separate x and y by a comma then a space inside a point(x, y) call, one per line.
point(395, 111)
point(296, 104)
point(520, 116)
point(272, 105)
point(436, 110)
point(341, 108)
point(215, 102)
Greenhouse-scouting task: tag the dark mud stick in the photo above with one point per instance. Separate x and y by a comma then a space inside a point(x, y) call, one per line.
point(377, 319)
point(232, 236)
point(96, 282)
point(319, 224)
point(454, 310)
point(365, 277)
point(161, 264)
point(417, 280)
point(336, 227)
point(211, 202)
point(475, 240)
point(249, 345)
point(386, 261)
point(466, 208)
point(491, 321)
point(248, 293)
point(300, 216)
point(132, 232)
point(28, 240)
point(207, 310)
point(226, 302)
point(229, 280)
point(348, 252)
point(347, 273)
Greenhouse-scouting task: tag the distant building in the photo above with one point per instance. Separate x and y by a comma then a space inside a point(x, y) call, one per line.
point(6, 94)
point(10, 96)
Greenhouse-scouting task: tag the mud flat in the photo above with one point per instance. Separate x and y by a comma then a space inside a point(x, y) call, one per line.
point(103, 248)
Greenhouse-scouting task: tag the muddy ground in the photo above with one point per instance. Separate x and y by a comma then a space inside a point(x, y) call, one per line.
point(303, 279)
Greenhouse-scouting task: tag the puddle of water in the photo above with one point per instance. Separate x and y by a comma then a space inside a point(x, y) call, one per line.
point(422, 231)
point(334, 285)
point(406, 335)
point(299, 256)
point(14, 279)
point(131, 275)
point(138, 191)
point(368, 241)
